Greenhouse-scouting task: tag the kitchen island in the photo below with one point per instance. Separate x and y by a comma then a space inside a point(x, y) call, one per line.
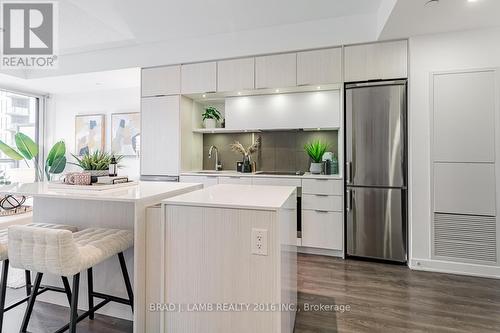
point(229, 261)
point(122, 208)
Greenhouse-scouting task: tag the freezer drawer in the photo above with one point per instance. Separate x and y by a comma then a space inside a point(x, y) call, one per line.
point(376, 223)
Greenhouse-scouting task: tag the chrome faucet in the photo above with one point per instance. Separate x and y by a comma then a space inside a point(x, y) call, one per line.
point(218, 164)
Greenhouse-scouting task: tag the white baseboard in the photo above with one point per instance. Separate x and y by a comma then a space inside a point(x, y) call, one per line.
point(450, 267)
point(321, 252)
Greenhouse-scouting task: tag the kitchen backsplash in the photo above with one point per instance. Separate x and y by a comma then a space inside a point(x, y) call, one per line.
point(280, 151)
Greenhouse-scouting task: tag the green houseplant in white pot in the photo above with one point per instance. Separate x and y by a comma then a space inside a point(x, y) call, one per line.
point(315, 150)
point(210, 117)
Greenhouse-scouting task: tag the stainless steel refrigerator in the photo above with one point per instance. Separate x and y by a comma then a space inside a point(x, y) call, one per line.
point(376, 170)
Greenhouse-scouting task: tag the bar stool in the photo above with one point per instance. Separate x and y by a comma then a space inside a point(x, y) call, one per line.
point(64, 253)
point(5, 269)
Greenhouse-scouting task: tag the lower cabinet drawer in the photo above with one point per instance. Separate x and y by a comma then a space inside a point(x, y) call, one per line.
point(330, 203)
point(235, 180)
point(276, 181)
point(322, 186)
point(322, 229)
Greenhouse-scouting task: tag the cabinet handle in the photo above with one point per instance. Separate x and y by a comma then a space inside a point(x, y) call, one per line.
point(321, 195)
point(321, 211)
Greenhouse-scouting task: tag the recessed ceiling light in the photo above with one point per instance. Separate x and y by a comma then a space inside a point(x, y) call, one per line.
point(277, 90)
point(203, 95)
point(471, 0)
point(318, 87)
point(239, 92)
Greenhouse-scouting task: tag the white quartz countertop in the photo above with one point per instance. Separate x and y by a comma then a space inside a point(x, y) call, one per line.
point(230, 173)
point(143, 191)
point(236, 196)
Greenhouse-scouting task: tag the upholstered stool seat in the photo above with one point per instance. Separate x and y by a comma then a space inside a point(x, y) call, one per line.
point(4, 257)
point(64, 253)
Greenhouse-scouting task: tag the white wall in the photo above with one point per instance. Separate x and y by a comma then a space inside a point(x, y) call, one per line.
point(431, 53)
point(62, 108)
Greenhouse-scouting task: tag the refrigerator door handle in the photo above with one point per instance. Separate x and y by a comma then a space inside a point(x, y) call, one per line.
point(348, 170)
point(349, 201)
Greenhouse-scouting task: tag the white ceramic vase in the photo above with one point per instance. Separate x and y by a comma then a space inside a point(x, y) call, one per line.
point(210, 123)
point(316, 168)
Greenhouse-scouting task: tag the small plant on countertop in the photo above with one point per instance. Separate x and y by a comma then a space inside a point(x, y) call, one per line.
point(211, 113)
point(98, 160)
point(315, 150)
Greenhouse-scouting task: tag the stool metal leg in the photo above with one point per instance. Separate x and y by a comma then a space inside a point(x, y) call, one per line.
point(90, 288)
point(3, 289)
point(31, 302)
point(27, 276)
point(67, 289)
point(74, 304)
point(130, 292)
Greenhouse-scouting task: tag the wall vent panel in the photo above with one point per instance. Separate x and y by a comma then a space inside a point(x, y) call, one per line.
point(465, 237)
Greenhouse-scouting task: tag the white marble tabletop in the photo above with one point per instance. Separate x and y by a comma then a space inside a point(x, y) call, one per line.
point(140, 192)
point(236, 196)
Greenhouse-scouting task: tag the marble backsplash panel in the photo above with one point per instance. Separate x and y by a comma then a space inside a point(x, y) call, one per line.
point(280, 151)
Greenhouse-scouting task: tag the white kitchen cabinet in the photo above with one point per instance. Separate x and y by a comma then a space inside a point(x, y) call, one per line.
point(319, 67)
point(276, 71)
point(331, 203)
point(207, 181)
point(317, 109)
point(235, 180)
point(385, 60)
point(199, 78)
point(160, 136)
point(236, 74)
point(464, 107)
point(323, 186)
point(277, 181)
point(322, 229)
point(159, 81)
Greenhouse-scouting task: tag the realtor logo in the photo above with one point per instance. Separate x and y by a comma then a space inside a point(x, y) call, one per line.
point(29, 34)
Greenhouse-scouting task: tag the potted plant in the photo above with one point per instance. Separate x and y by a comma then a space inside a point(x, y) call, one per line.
point(238, 147)
point(27, 150)
point(210, 117)
point(96, 163)
point(315, 150)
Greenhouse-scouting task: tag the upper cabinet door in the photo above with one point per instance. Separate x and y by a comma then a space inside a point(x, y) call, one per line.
point(236, 74)
point(387, 60)
point(160, 146)
point(276, 71)
point(161, 81)
point(319, 67)
point(199, 78)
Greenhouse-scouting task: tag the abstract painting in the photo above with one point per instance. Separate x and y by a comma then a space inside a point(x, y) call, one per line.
point(125, 133)
point(89, 133)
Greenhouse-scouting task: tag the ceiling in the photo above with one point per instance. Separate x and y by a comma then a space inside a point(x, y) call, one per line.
point(76, 83)
point(414, 17)
point(95, 24)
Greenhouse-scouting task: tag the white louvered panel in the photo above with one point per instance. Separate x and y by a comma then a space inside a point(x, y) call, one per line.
point(469, 237)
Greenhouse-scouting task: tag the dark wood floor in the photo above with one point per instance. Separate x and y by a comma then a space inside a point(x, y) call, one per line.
point(382, 298)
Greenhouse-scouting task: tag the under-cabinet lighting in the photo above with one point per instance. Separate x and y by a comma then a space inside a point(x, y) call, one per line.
point(318, 87)
point(239, 92)
point(471, 0)
point(203, 95)
point(277, 90)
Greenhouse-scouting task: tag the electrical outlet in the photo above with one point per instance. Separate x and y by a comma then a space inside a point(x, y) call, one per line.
point(259, 242)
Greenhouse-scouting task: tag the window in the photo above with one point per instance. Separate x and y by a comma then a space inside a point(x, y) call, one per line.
point(18, 113)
